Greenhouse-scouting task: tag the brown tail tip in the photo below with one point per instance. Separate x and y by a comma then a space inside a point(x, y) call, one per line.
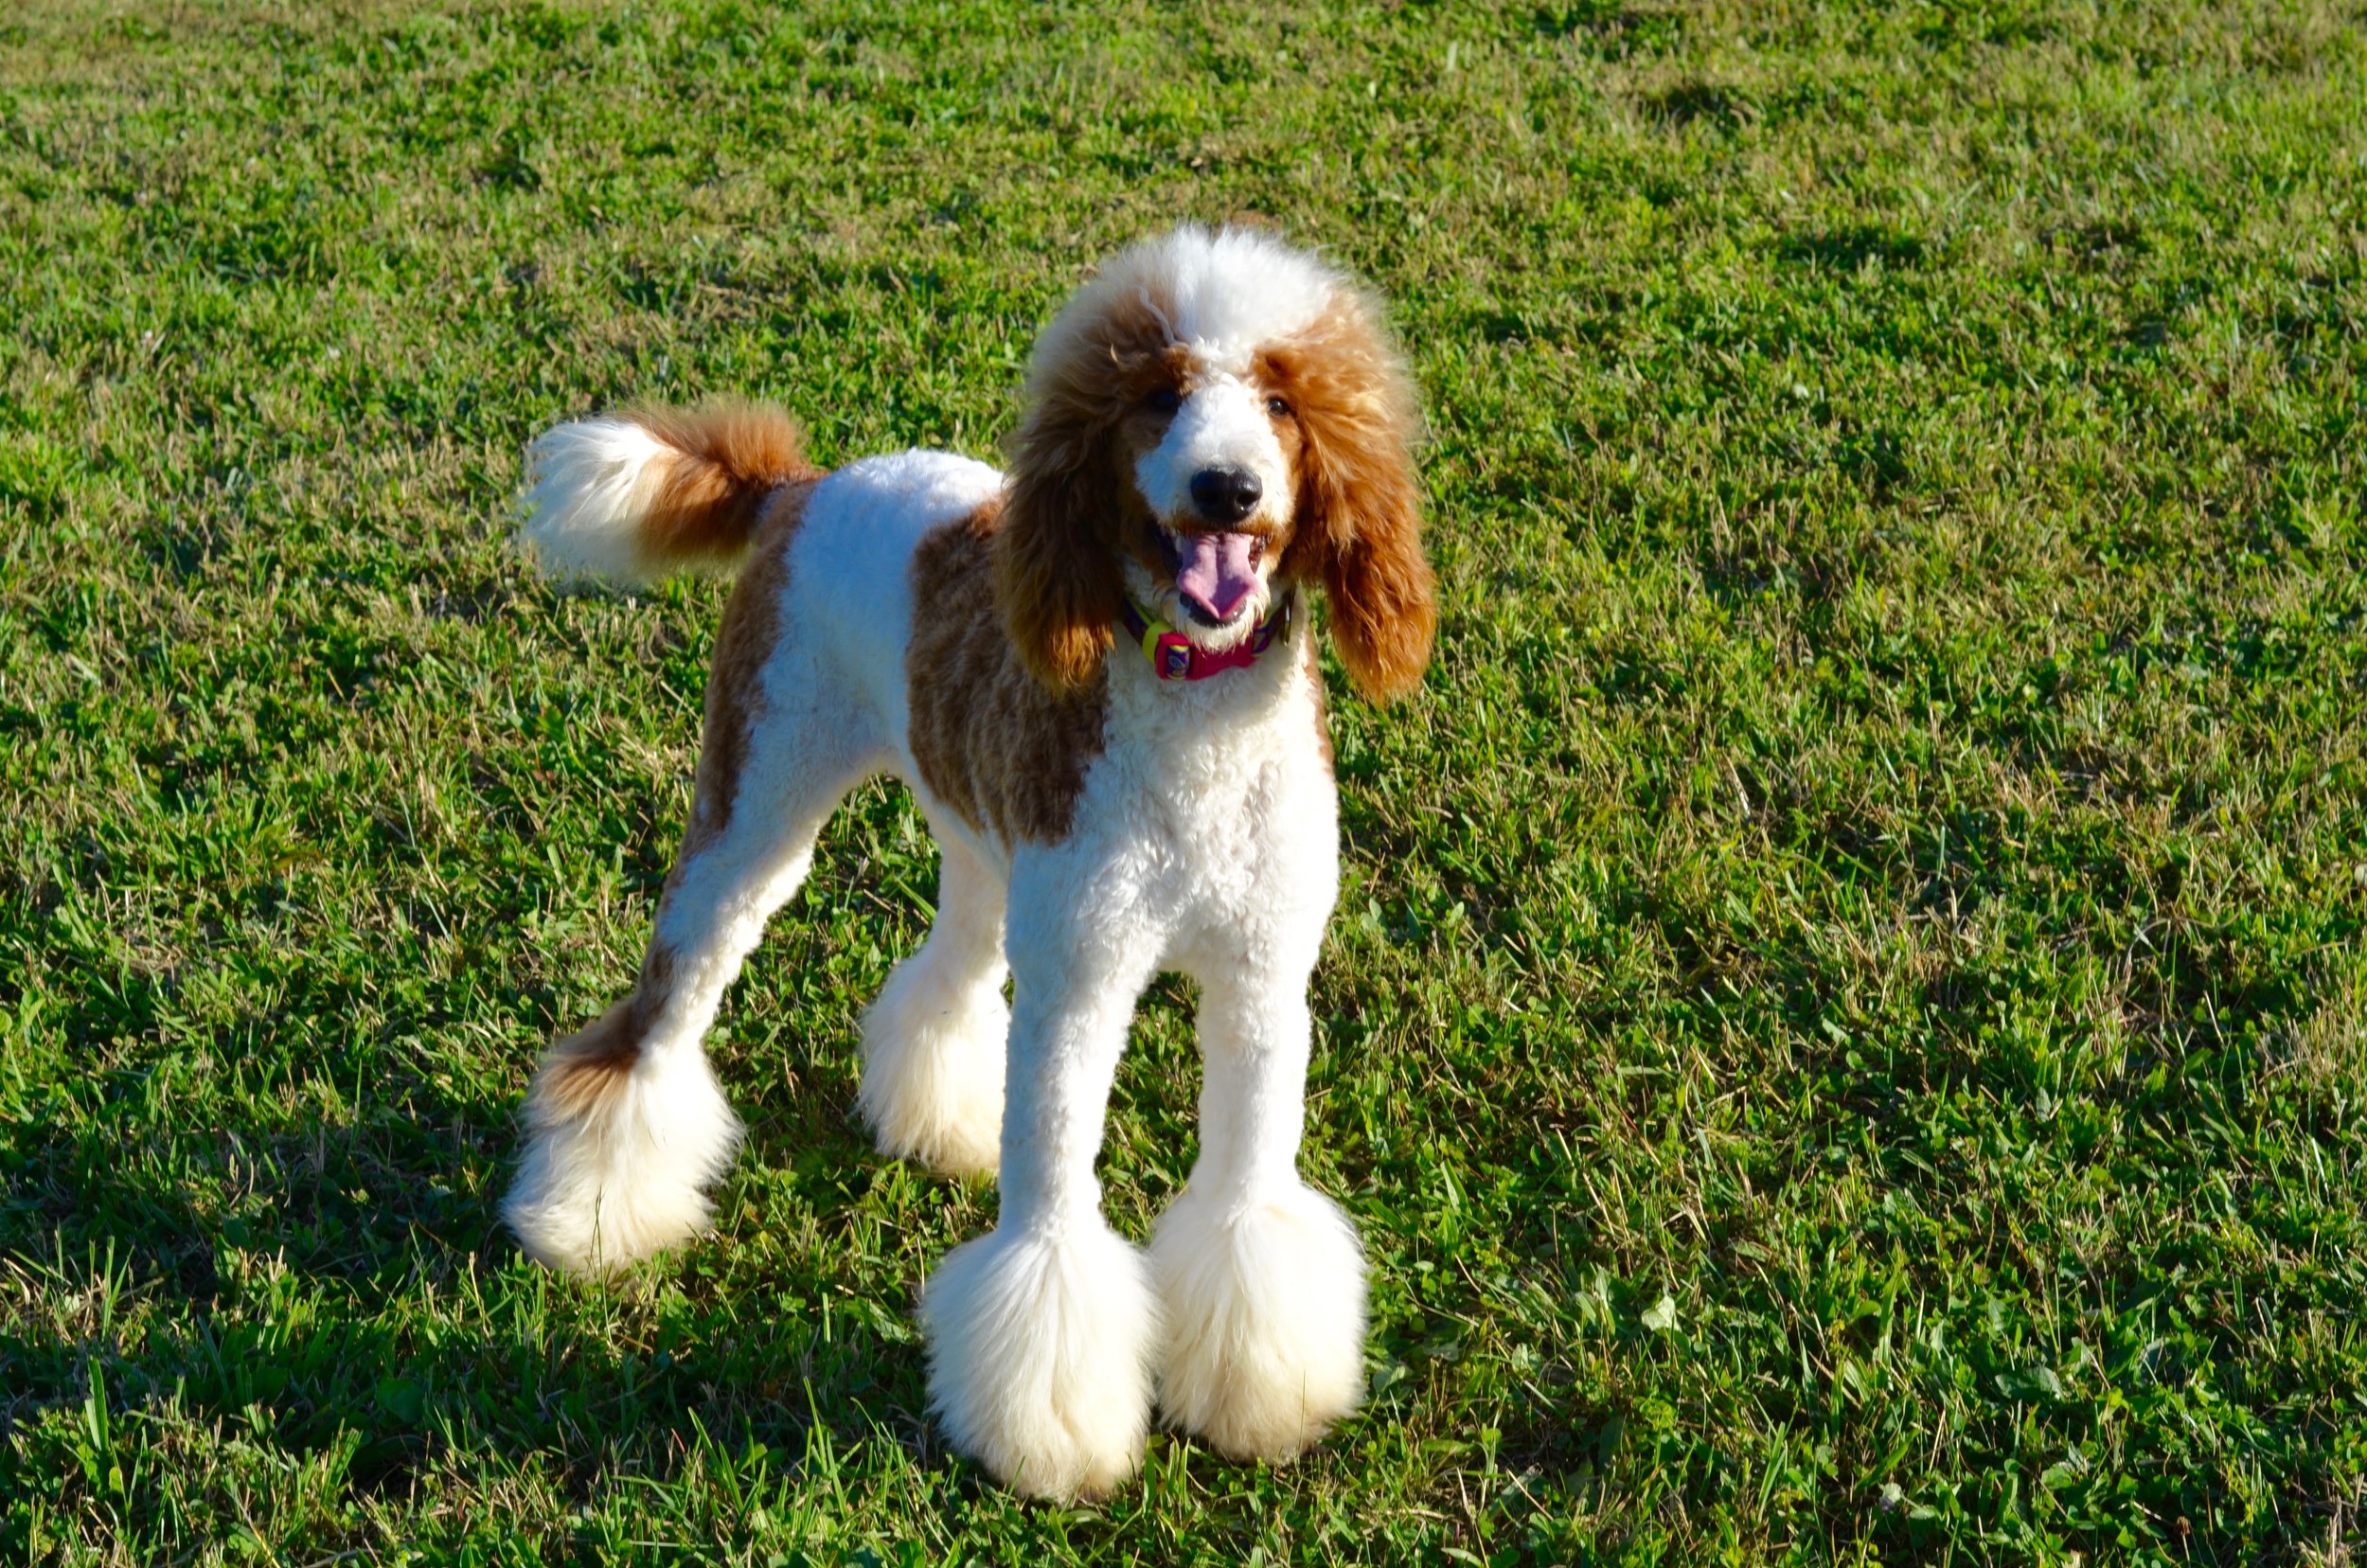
point(635, 497)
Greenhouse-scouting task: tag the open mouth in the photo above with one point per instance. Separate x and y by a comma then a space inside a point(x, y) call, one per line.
point(1216, 574)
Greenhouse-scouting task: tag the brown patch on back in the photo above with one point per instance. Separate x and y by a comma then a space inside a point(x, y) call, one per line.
point(710, 502)
point(992, 741)
point(584, 1072)
point(750, 624)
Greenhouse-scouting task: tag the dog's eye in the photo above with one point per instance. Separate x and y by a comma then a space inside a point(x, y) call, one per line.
point(1278, 407)
point(1165, 401)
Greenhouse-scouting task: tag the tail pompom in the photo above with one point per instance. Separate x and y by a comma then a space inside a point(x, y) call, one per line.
point(630, 498)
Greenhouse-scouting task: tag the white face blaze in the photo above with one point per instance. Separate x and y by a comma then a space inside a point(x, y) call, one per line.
point(1222, 425)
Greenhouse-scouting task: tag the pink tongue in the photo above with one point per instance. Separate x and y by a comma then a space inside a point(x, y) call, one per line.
point(1215, 571)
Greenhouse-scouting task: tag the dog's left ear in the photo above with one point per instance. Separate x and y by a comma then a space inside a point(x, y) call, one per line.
point(1359, 506)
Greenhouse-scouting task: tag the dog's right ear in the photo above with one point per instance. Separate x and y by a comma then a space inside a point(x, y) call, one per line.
point(1057, 578)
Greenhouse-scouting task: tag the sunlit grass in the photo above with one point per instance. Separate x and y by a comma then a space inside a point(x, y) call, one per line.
point(1845, 1027)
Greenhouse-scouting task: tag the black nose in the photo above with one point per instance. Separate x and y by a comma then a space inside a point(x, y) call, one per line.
point(1225, 494)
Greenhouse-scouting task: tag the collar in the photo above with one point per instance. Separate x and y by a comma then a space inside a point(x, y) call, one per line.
point(1175, 657)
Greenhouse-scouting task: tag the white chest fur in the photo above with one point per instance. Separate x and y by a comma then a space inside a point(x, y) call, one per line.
point(1210, 817)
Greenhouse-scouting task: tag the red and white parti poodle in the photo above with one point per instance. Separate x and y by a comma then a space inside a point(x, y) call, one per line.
point(1097, 676)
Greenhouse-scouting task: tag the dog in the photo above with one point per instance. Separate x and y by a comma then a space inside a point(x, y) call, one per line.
point(1097, 676)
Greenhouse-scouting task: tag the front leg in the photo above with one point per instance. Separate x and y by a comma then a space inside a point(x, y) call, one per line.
point(1262, 1282)
point(1042, 1332)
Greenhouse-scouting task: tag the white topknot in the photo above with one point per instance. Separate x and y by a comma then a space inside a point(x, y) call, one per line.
point(1222, 293)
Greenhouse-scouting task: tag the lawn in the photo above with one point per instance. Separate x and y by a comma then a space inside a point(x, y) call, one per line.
point(1846, 1031)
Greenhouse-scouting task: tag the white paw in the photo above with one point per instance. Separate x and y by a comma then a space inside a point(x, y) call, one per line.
point(1263, 1302)
point(1040, 1353)
point(612, 1177)
point(932, 1085)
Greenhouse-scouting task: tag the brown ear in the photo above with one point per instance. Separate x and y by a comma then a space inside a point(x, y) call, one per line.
point(1055, 571)
point(1360, 503)
point(1383, 611)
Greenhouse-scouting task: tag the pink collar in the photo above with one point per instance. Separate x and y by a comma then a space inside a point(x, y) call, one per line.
point(1175, 657)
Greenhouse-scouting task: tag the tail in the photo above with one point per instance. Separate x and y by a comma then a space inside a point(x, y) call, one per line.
point(630, 498)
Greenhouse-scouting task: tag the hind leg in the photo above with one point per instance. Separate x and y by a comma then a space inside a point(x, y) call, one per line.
point(932, 1043)
point(626, 1124)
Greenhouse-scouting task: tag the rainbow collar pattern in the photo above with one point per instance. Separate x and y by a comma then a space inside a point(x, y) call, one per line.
point(1175, 657)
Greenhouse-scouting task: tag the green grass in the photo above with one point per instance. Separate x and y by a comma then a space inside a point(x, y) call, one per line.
point(1846, 1027)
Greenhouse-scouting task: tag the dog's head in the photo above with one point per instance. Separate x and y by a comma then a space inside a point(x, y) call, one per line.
point(1215, 419)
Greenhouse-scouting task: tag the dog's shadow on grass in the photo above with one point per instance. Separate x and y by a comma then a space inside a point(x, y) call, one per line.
point(348, 1289)
point(252, 1221)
